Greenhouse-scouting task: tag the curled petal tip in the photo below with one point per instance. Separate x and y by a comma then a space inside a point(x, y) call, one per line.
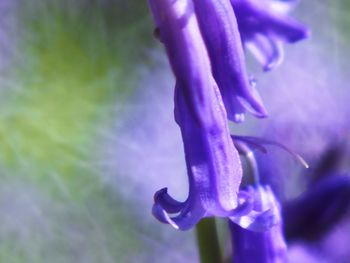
point(271, 66)
point(307, 33)
point(268, 50)
point(168, 203)
point(187, 218)
point(273, 63)
point(262, 114)
point(259, 111)
point(254, 105)
point(302, 33)
point(159, 213)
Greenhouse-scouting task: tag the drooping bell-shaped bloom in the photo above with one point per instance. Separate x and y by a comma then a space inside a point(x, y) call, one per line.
point(204, 48)
point(261, 246)
point(213, 164)
point(213, 167)
point(265, 25)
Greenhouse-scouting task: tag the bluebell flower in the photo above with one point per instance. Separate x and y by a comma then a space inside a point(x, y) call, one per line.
point(265, 25)
point(205, 51)
point(213, 164)
point(214, 171)
point(213, 167)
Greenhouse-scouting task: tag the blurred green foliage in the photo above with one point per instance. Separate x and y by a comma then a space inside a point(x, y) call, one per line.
point(76, 61)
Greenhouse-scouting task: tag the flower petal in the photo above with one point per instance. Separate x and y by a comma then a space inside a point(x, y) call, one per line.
point(219, 29)
point(178, 30)
point(270, 19)
point(267, 51)
point(213, 168)
point(213, 164)
point(169, 204)
point(190, 214)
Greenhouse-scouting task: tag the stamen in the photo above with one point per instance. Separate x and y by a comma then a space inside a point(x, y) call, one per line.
point(245, 150)
point(257, 143)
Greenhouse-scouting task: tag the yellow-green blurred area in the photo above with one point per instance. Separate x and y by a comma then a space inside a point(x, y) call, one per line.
point(73, 64)
point(67, 73)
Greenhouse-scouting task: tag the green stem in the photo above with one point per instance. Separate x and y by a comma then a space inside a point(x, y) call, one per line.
point(208, 242)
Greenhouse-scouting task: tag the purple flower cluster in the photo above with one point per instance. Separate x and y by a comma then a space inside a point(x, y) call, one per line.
point(205, 42)
point(211, 158)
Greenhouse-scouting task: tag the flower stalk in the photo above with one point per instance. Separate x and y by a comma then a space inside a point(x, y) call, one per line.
point(208, 241)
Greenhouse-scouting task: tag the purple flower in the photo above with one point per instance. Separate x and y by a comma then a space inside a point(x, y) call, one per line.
point(219, 29)
point(263, 246)
point(203, 43)
point(205, 51)
point(265, 25)
point(213, 167)
point(214, 171)
point(178, 30)
point(213, 164)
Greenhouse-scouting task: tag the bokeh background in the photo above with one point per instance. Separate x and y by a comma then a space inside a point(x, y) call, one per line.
point(87, 132)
